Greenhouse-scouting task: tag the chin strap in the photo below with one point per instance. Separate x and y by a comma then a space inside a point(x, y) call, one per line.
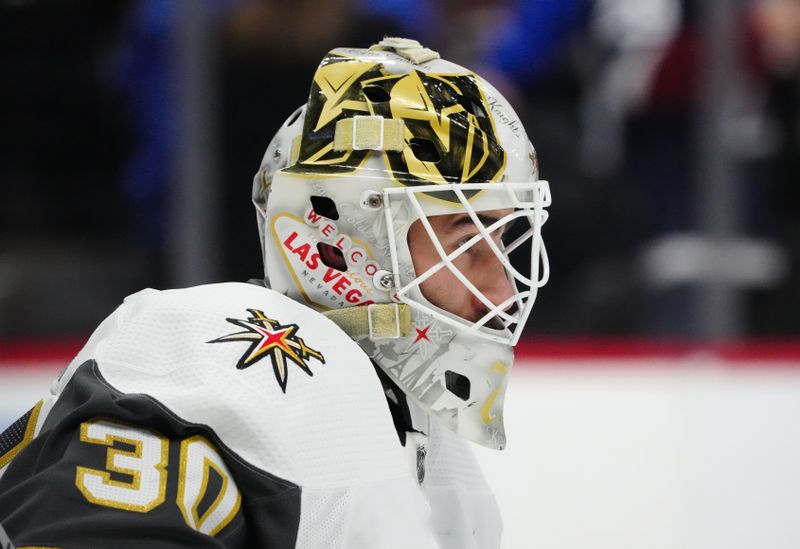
point(380, 320)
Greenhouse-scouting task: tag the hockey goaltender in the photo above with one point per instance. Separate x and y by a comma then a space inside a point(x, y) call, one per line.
point(331, 404)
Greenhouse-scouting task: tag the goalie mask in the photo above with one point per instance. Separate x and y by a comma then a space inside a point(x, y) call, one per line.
point(395, 202)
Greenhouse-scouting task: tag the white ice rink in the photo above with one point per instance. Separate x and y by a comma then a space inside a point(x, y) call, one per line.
point(693, 453)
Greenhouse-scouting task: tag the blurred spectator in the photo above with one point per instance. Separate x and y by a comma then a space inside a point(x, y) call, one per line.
point(644, 127)
point(64, 141)
point(531, 43)
point(145, 71)
point(268, 49)
point(609, 90)
point(65, 130)
point(776, 25)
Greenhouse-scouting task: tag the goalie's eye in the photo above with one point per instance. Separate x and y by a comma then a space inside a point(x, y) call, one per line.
point(464, 240)
point(463, 229)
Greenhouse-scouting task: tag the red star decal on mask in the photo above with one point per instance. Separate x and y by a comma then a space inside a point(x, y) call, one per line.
point(422, 334)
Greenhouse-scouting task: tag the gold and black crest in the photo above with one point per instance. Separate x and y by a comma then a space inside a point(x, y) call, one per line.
point(449, 134)
point(270, 338)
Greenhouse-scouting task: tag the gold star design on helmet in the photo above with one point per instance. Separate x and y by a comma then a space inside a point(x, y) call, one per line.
point(268, 337)
point(336, 82)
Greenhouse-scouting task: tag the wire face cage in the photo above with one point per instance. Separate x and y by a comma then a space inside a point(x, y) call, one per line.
point(510, 236)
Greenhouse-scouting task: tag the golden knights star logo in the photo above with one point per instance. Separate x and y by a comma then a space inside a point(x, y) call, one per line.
point(270, 338)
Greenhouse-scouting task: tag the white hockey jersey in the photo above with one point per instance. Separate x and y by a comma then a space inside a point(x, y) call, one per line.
point(229, 415)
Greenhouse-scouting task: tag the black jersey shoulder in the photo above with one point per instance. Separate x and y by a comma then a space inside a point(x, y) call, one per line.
point(41, 505)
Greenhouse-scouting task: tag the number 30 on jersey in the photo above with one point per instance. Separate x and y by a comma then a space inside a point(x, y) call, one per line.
point(141, 475)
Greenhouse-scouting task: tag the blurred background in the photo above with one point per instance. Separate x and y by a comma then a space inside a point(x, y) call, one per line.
point(668, 129)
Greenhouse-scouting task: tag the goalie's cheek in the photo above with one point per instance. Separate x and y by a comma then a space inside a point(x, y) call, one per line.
point(496, 285)
point(478, 264)
point(444, 290)
point(485, 271)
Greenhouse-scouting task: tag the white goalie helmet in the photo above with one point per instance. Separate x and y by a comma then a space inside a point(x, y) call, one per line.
point(392, 137)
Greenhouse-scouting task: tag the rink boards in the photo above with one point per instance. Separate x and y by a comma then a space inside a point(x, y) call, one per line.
point(611, 450)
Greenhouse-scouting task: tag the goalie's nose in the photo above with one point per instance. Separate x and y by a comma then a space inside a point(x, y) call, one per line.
point(492, 281)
